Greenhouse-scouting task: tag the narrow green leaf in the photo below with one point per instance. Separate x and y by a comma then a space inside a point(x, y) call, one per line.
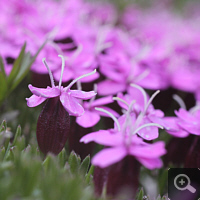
point(2, 68)
point(62, 157)
point(3, 87)
point(17, 134)
point(23, 70)
point(74, 162)
point(25, 66)
point(46, 162)
point(140, 194)
point(3, 126)
point(89, 174)
point(16, 66)
point(85, 164)
point(162, 181)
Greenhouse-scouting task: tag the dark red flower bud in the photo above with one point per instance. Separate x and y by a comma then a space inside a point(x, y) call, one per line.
point(193, 156)
point(177, 149)
point(119, 178)
point(76, 133)
point(53, 127)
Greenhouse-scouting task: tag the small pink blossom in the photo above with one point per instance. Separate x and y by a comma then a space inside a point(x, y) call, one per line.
point(122, 142)
point(68, 98)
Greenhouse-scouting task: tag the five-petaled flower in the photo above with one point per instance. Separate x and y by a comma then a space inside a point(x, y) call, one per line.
point(123, 141)
point(69, 98)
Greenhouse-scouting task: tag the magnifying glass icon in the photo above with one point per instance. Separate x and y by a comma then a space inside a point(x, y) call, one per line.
point(183, 180)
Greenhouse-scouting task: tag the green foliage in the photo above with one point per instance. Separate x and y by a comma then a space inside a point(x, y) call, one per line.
point(19, 70)
point(25, 174)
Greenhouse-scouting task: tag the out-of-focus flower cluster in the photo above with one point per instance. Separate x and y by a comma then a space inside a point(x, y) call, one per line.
point(153, 49)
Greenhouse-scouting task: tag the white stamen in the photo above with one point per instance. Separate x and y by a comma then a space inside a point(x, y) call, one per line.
point(56, 47)
point(104, 46)
point(142, 75)
point(80, 77)
point(131, 107)
point(142, 91)
point(78, 84)
point(111, 115)
point(150, 100)
point(62, 70)
point(93, 98)
point(146, 125)
point(122, 100)
point(180, 101)
point(194, 109)
point(50, 73)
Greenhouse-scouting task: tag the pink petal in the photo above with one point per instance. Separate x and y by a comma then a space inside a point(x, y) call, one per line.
point(109, 110)
point(103, 137)
point(149, 133)
point(148, 151)
point(88, 119)
point(90, 78)
point(102, 101)
point(109, 87)
point(125, 98)
point(34, 101)
point(151, 163)
point(185, 115)
point(109, 156)
point(171, 126)
point(82, 95)
point(67, 75)
point(45, 92)
point(71, 104)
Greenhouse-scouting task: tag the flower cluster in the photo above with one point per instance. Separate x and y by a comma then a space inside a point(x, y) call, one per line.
point(106, 55)
point(123, 138)
point(145, 51)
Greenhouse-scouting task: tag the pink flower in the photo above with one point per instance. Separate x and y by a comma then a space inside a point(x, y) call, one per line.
point(143, 110)
point(92, 116)
point(123, 141)
point(68, 98)
point(186, 122)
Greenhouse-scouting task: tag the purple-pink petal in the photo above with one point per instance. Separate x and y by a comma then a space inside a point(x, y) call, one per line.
point(82, 95)
point(109, 110)
point(109, 87)
point(35, 101)
point(109, 156)
point(102, 101)
point(88, 119)
point(148, 151)
point(149, 133)
point(103, 137)
point(151, 163)
point(71, 104)
point(45, 92)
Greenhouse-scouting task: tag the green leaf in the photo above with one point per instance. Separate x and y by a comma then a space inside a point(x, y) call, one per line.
point(2, 68)
point(162, 181)
point(62, 157)
point(74, 162)
point(89, 174)
point(16, 66)
point(85, 164)
point(140, 194)
point(17, 135)
point(3, 126)
point(3, 87)
point(23, 70)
